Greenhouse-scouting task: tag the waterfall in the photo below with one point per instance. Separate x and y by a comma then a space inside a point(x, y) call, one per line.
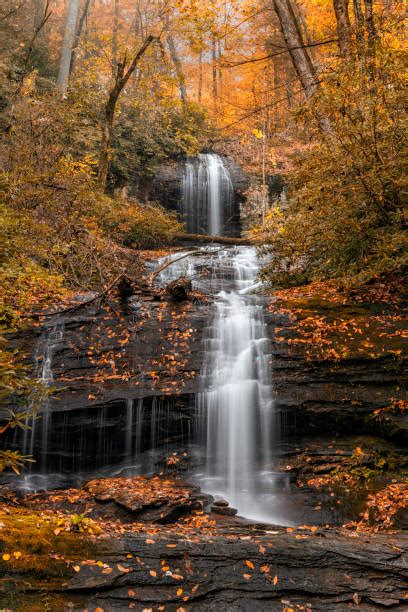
point(48, 343)
point(236, 417)
point(237, 397)
point(208, 195)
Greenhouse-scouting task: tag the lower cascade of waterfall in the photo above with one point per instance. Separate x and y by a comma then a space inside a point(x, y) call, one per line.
point(236, 422)
point(237, 397)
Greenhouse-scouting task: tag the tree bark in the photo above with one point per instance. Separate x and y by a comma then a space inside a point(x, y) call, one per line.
point(67, 45)
point(343, 26)
point(359, 21)
point(219, 49)
point(214, 71)
point(300, 15)
point(206, 238)
point(296, 46)
point(38, 12)
point(178, 68)
point(200, 77)
point(371, 36)
point(122, 77)
point(80, 27)
point(115, 36)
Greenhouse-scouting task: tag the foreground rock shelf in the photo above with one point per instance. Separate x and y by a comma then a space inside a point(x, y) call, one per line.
point(234, 568)
point(147, 544)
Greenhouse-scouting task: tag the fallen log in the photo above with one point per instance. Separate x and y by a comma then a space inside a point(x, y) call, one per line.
point(179, 289)
point(206, 238)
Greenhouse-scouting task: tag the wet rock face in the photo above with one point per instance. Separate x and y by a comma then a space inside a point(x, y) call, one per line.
point(125, 381)
point(318, 394)
point(167, 184)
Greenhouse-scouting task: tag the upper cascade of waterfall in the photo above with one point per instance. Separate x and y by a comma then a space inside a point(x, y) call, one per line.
point(208, 195)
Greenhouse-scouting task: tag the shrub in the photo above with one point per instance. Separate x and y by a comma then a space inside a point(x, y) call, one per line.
point(346, 216)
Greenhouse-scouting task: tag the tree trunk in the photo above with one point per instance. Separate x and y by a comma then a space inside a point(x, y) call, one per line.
point(296, 47)
point(38, 12)
point(115, 36)
point(67, 45)
point(80, 27)
point(214, 72)
point(200, 77)
point(371, 36)
point(122, 77)
point(343, 26)
point(219, 68)
point(359, 21)
point(301, 17)
point(178, 68)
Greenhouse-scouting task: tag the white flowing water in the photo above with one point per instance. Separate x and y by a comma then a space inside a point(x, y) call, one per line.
point(47, 345)
point(207, 195)
point(236, 401)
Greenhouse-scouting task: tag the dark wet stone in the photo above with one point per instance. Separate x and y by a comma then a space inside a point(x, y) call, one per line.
point(224, 510)
point(222, 503)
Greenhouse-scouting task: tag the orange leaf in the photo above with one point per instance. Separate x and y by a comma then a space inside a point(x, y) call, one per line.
point(179, 591)
point(250, 564)
point(153, 573)
point(247, 576)
point(275, 580)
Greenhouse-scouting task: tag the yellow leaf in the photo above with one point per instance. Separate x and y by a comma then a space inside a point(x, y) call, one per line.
point(179, 591)
point(6, 557)
point(17, 554)
point(257, 133)
point(76, 568)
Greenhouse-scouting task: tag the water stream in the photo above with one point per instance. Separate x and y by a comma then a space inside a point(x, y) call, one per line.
point(235, 407)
